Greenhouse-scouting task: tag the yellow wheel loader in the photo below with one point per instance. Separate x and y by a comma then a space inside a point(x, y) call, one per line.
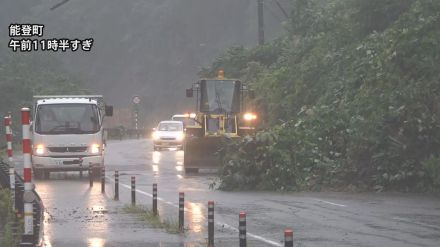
point(220, 114)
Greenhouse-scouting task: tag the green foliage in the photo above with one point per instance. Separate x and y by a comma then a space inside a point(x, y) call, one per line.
point(8, 239)
point(432, 170)
point(5, 206)
point(349, 100)
point(170, 225)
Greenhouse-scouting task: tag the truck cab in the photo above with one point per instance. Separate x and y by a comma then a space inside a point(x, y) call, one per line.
point(68, 134)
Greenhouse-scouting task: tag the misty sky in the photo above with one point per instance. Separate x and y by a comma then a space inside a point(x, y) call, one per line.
point(153, 48)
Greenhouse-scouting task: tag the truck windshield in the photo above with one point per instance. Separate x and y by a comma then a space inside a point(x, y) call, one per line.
point(220, 96)
point(56, 119)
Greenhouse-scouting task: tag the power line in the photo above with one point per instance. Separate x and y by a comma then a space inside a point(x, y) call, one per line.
point(282, 9)
point(58, 4)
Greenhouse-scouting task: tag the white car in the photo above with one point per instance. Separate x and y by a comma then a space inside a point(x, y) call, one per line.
point(168, 134)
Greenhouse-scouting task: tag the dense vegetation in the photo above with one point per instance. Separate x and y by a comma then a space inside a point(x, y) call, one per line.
point(7, 216)
point(349, 99)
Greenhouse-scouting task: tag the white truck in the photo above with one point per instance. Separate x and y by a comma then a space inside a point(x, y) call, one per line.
point(68, 133)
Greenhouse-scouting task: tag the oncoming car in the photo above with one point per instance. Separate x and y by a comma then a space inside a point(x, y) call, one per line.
point(168, 134)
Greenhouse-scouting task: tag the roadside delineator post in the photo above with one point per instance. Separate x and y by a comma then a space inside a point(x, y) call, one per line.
point(80, 165)
point(8, 122)
point(116, 185)
point(133, 190)
point(155, 199)
point(181, 211)
point(242, 229)
point(211, 224)
point(28, 234)
point(103, 179)
point(288, 238)
point(90, 176)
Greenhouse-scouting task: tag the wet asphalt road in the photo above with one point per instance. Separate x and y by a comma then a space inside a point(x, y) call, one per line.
point(77, 215)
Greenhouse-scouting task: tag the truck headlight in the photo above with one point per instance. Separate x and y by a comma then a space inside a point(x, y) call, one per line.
point(180, 136)
point(155, 135)
point(39, 149)
point(95, 149)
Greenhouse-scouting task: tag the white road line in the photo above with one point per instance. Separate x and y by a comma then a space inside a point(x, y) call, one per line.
point(416, 222)
point(257, 237)
point(46, 242)
point(331, 203)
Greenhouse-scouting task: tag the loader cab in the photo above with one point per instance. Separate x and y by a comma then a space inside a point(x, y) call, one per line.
point(220, 104)
point(220, 96)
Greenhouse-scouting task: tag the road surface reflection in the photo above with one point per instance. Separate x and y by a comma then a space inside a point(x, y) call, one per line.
point(96, 242)
point(195, 216)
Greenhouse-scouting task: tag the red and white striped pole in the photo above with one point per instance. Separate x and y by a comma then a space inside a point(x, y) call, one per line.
point(8, 123)
point(27, 172)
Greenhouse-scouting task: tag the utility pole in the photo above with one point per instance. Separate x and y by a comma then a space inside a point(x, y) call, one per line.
point(260, 22)
point(136, 101)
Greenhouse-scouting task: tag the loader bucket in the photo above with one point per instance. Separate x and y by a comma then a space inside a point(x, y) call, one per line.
point(201, 153)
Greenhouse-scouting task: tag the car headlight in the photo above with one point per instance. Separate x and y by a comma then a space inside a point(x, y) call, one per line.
point(180, 136)
point(155, 135)
point(249, 116)
point(39, 149)
point(95, 149)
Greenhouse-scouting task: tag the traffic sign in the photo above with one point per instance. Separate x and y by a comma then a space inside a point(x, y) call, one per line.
point(136, 100)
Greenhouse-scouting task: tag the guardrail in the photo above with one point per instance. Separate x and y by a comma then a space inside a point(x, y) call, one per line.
point(38, 207)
